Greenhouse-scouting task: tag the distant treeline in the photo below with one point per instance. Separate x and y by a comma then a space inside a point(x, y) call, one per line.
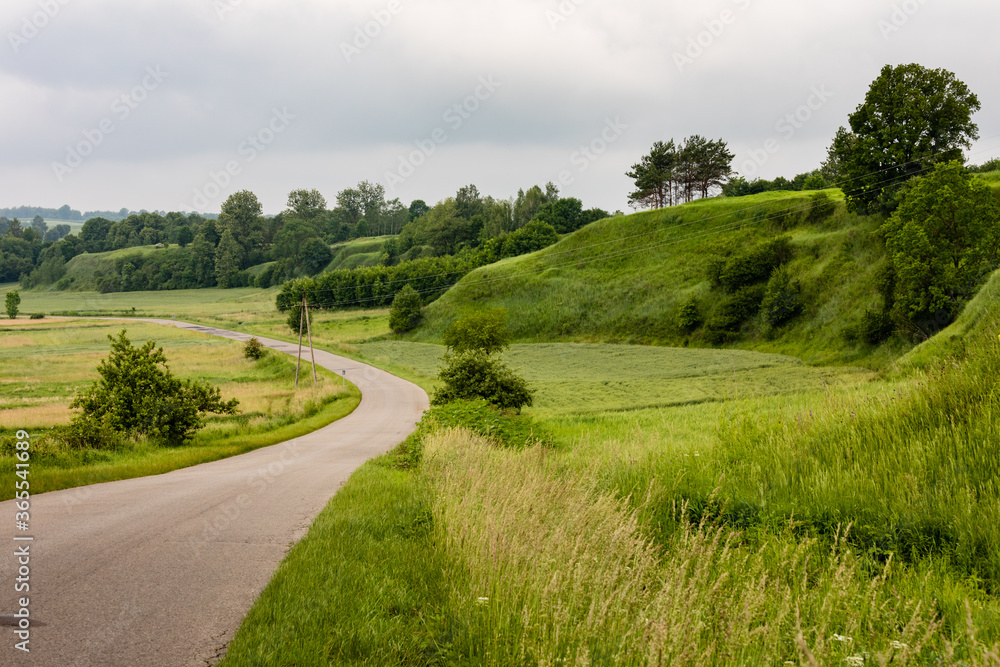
point(245, 248)
point(64, 213)
point(376, 286)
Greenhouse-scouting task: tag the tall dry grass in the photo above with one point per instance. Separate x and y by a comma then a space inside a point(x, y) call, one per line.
point(548, 571)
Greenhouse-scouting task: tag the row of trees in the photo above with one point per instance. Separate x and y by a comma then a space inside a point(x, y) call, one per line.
point(675, 173)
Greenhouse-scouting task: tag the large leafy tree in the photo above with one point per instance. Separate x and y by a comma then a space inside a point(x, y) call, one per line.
point(228, 259)
point(944, 240)
point(137, 395)
point(912, 118)
point(306, 204)
point(239, 215)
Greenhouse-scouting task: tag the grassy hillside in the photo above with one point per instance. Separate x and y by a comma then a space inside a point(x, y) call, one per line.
point(624, 279)
point(357, 253)
point(82, 271)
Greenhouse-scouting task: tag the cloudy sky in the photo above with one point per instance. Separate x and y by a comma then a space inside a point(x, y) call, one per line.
point(175, 104)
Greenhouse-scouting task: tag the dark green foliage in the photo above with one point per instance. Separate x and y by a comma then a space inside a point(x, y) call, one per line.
point(735, 311)
point(944, 240)
point(90, 432)
point(13, 302)
point(472, 375)
point(912, 117)
point(294, 320)
point(821, 207)
point(563, 214)
point(315, 255)
point(782, 300)
point(254, 350)
point(471, 371)
point(37, 316)
point(875, 327)
point(752, 266)
point(689, 315)
point(673, 173)
point(405, 313)
point(137, 395)
point(483, 331)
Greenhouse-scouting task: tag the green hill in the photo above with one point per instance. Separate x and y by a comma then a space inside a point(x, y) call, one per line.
point(357, 253)
point(625, 279)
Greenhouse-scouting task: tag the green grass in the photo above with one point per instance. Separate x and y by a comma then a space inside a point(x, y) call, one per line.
point(43, 364)
point(357, 253)
point(359, 589)
point(623, 279)
point(584, 378)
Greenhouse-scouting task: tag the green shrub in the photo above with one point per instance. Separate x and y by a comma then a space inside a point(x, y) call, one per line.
point(821, 207)
point(37, 316)
point(472, 372)
point(12, 302)
point(254, 350)
point(875, 327)
point(90, 432)
point(782, 299)
point(137, 395)
point(406, 310)
point(752, 266)
point(689, 315)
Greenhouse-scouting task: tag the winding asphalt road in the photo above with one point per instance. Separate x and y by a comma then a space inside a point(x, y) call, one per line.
point(161, 570)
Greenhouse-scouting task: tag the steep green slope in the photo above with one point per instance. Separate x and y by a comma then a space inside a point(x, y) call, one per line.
point(357, 253)
point(624, 279)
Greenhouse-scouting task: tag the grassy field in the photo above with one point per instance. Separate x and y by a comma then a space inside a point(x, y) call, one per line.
point(45, 363)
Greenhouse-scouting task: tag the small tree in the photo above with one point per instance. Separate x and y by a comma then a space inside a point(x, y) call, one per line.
point(13, 302)
point(254, 350)
point(137, 395)
point(471, 371)
point(405, 313)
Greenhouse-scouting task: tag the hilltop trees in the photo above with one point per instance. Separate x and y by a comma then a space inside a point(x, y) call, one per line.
point(943, 241)
point(912, 118)
point(673, 173)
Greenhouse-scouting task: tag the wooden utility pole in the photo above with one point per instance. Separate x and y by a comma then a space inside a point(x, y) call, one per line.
point(312, 352)
point(298, 364)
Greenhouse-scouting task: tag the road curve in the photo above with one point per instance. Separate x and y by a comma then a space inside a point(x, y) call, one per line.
point(161, 570)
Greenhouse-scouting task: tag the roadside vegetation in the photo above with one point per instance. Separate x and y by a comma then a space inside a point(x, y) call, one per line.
point(68, 452)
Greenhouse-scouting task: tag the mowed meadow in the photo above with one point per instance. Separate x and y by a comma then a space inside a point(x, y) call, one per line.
point(45, 363)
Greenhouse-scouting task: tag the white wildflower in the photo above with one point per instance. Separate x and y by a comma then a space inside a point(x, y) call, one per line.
point(842, 638)
point(855, 660)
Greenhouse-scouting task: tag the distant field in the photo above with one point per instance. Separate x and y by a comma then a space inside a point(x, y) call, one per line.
point(589, 378)
point(45, 363)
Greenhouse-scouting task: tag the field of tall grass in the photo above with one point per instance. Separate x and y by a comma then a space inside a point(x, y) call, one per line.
point(851, 523)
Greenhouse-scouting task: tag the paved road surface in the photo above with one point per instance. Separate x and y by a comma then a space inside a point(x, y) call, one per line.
point(161, 570)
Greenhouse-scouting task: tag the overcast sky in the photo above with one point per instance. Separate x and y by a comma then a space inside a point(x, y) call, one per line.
point(173, 105)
